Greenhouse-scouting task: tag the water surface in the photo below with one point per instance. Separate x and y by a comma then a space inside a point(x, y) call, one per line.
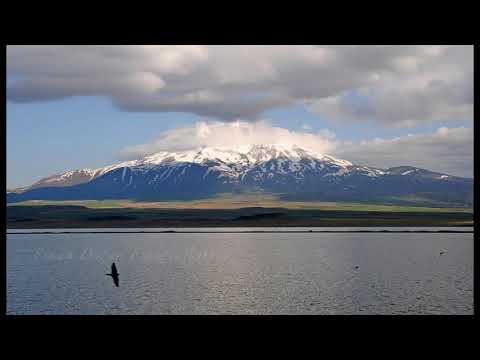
point(234, 273)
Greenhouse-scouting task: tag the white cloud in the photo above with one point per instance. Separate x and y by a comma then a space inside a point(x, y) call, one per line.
point(51, 72)
point(396, 85)
point(232, 135)
point(434, 84)
point(447, 150)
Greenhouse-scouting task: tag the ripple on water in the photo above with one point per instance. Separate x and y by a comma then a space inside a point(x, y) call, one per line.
point(241, 274)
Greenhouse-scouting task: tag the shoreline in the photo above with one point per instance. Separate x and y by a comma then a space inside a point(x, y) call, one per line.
point(68, 217)
point(249, 232)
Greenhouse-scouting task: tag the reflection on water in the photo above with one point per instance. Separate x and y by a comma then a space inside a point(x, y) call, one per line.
point(241, 274)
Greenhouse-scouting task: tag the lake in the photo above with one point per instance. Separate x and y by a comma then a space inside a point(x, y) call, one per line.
point(240, 273)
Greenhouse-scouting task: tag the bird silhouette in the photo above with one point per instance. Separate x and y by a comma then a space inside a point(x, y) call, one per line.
point(114, 274)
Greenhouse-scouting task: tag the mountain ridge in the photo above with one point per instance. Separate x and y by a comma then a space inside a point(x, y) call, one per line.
point(295, 172)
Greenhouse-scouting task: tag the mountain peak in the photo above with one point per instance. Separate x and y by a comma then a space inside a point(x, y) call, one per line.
point(291, 170)
point(248, 153)
point(236, 160)
point(265, 152)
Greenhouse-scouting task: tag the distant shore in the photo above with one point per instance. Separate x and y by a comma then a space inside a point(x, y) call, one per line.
point(79, 217)
point(249, 232)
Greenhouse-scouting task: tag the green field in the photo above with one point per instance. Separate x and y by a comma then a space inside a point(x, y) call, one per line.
point(251, 200)
point(248, 210)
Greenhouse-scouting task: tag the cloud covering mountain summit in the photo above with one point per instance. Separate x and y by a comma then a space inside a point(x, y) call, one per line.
point(447, 150)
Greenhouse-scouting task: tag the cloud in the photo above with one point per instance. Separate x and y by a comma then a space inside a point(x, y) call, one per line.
point(446, 150)
point(54, 72)
point(430, 84)
point(232, 135)
point(391, 84)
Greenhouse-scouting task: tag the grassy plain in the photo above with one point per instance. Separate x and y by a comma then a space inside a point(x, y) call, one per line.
point(248, 210)
point(233, 201)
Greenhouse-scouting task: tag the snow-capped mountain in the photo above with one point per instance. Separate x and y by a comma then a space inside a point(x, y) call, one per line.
point(68, 178)
point(290, 171)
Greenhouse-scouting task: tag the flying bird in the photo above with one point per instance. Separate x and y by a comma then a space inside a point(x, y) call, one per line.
point(114, 274)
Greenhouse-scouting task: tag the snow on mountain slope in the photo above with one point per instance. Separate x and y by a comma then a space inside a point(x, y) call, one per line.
point(236, 164)
point(290, 172)
point(68, 178)
point(256, 165)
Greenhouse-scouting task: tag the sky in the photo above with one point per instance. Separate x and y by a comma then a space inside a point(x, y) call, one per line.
point(89, 106)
